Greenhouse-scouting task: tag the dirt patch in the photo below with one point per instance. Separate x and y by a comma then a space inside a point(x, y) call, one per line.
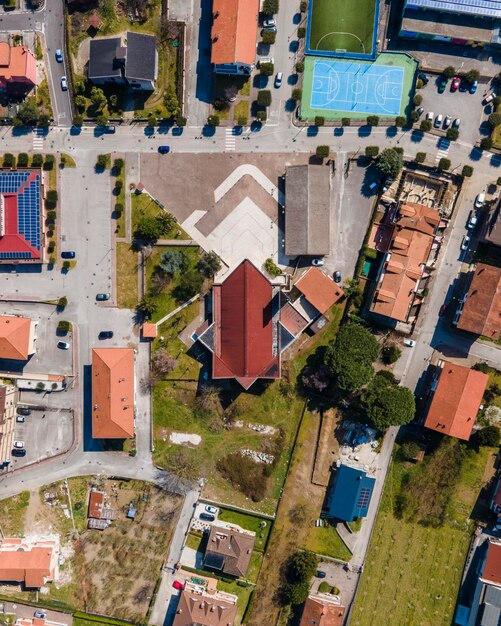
point(185, 439)
point(328, 448)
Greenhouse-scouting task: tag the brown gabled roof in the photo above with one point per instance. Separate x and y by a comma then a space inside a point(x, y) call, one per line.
point(456, 401)
point(234, 31)
point(31, 566)
point(482, 310)
point(322, 611)
point(14, 338)
point(320, 290)
point(418, 217)
point(204, 608)
point(112, 393)
point(149, 330)
point(492, 567)
point(229, 551)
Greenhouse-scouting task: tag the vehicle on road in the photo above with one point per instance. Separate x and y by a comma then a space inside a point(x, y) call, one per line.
point(430, 115)
point(474, 86)
point(23, 410)
point(466, 242)
point(63, 345)
point(40, 614)
point(420, 111)
point(438, 120)
point(101, 297)
point(59, 56)
point(207, 517)
point(18, 444)
point(163, 149)
point(16, 452)
point(410, 343)
point(177, 584)
point(68, 255)
point(447, 121)
point(442, 84)
point(278, 80)
point(488, 99)
point(320, 574)
point(317, 262)
point(337, 276)
point(455, 83)
point(472, 222)
point(105, 334)
point(269, 22)
point(211, 509)
point(480, 200)
point(64, 83)
point(443, 310)
point(109, 129)
point(422, 76)
point(272, 29)
point(456, 123)
point(20, 419)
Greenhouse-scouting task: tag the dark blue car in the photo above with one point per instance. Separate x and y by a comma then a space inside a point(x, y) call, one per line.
point(163, 149)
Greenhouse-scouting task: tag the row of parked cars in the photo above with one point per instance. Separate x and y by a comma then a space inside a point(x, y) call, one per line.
point(443, 122)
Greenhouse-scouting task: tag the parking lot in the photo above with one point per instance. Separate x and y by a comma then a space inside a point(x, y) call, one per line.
point(468, 107)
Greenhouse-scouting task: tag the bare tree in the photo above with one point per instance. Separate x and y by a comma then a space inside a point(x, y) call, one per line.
point(208, 400)
point(163, 363)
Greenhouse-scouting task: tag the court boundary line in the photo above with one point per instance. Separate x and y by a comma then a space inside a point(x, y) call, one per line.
point(338, 32)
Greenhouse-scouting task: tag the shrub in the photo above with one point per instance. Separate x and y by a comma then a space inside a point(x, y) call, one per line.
point(37, 160)
point(322, 152)
point(272, 268)
point(486, 143)
point(419, 84)
point(417, 100)
point(51, 199)
point(301, 32)
point(449, 72)
point(242, 120)
point(49, 161)
point(324, 587)
point(420, 157)
point(261, 116)
point(414, 116)
point(297, 93)
point(467, 171)
point(391, 354)
point(22, 160)
point(9, 160)
point(444, 164)
point(101, 161)
point(488, 436)
point(400, 121)
point(425, 126)
point(319, 120)
point(266, 69)
point(213, 120)
point(372, 120)
point(264, 97)
point(181, 121)
point(270, 7)
point(345, 121)
point(452, 134)
point(268, 36)
point(77, 120)
point(300, 67)
point(494, 119)
point(371, 151)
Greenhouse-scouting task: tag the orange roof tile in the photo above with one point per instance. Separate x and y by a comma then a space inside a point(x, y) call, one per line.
point(112, 393)
point(17, 64)
point(320, 290)
point(418, 217)
point(234, 31)
point(15, 338)
point(456, 401)
point(492, 567)
point(482, 310)
point(149, 330)
point(322, 612)
point(24, 565)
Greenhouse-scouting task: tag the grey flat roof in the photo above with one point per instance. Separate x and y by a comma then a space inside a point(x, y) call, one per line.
point(141, 56)
point(491, 8)
point(448, 25)
point(307, 210)
point(102, 58)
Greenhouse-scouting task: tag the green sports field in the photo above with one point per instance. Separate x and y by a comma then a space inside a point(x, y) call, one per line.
point(342, 25)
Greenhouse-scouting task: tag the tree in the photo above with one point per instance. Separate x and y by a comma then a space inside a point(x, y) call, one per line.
point(190, 285)
point(77, 120)
point(488, 436)
point(208, 400)
point(390, 162)
point(113, 100)
point(9, 160)
point(152, 121)
point(81, 102)
point(425, 126)
point(270, 7)
point(101, 120)
point(27, 113)
point(297, 93)
point(174, 262)
point(319, 120)
point(98, 98)
point(51, 199)
point(410, 450)
point(148, 306)
point(171, 103)
point(317, 378)
point(400, 121)
point(266, 69)
point(162, 362)
point(472, 75)
point(261, 116)
point(414, 116)
point(452, 134)
point(43, 120)
point(449, 72)
point(388, 404)
point(420, 157)
point(181, 121)
point(372, 120)
point(303, 5)
point(486, 143)
point(417, 100)
point(118, 165)
point(37, 160)
point(268, 36)
point(345, 121)
point(62, 303)
point(167, 221)
point(66, 265)
point(371, 151)
point(301, 32)
point(351, 356)
point(149, 229)
point(119, 208)
point(297, 593)
point(213, 120)
point(264, 97)
point(51, 217)
point(302, 566)
point(444, 164)
point(467, 171)
point(22, 159)
point(101, 161)
point(494, 119)
point(391, 354)
point(322, 152)
point(300, 67)
point(209, 264)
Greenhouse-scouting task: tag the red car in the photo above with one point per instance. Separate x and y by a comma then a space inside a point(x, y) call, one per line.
point(177, 584)
point(455, 83)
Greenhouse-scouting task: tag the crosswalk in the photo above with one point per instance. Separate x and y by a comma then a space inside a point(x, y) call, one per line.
point(38, 136)
point(230, 140)
point(443, 146)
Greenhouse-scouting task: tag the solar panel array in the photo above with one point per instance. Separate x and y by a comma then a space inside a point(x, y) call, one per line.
point(363, 498)
point(28, 203)
point(490, 8)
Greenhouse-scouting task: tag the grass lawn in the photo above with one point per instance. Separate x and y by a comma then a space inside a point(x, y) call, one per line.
point(120, 200)
point(194, 541)
point(243, 594)
point(12, 512)
point(126, 276)
point(249, 522)
point(168, 337)
point(254, 566)
point(67, 160)
point(144, 205)
point(241, 110)
point(336, 26)
point(421, 566)
point(322, 540)
point(245, 90)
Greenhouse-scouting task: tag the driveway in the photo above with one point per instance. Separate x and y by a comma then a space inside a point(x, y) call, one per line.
point(198, 89)
point(22, 611)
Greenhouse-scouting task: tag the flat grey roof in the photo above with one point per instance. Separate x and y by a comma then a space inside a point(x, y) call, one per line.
point(102, 57)
point(448, 25)
point(141, 56)
point(491, 8)
point(307, 210)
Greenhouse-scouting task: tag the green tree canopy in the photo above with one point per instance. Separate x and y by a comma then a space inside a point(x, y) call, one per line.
point(174, 262)
point(390, 162)
point(149, 229)
point(302, 566)
point(449, 72)
point(488, 436)
point(297, 593)
point(209, 264)
point(388, 404)
point(190, 285)
point(98, 98)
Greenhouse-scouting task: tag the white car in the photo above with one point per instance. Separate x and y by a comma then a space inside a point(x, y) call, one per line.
point(473, 220)
point(317, 262)
point(211, 509)
point(466, 242)
point(456, 123)
point(429, 116)
point(64, 84)
point(19, 444)
point(20, 419)
point(40, 614)
point(480, 200)
point(438, 120)
point(269, 22)
point(410, 343)
point(489, 98)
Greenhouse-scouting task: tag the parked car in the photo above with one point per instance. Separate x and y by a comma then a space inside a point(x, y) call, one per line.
point(16, 452)
point(63, 345)
point(59, 56)
point(105, 334)
point(278, 79)
point(480, 200)
point(443, 310)
point(438, 120)
point(464, 85)
point(455, 83)
point(320, 574)
point(207, 517)
point(447, 121)
point(456, 123)
point(410, 343)
point(18, 444)
point(488, 99)
point(337, 276)
point(40, 614)
point(273, 29)
point(163, 149)
point(423, 77)
point(177, 584)
point(442, 84)
point(466, 242)
point(68, 255)
point(20, 419)
point(109, 129)
point(64, 83)
point(23, 410)
point(420, 111)
point(266, 60)
point(430, 115)
point(317, 262)
point(472, 222)
point(101, 297)
point(269, 22)
point(211, 509)
point(474, 86)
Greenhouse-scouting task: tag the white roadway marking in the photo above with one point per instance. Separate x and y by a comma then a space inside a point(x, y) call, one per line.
point(257, 175)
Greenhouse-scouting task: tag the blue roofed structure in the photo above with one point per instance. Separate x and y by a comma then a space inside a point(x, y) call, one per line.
point(351, 493)
point(489, 8)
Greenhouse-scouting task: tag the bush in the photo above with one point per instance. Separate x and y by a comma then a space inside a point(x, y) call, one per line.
point(414, 116)
point(37, 160)
point(181, 121)
point(486, 143)
point(77, 120)
point(452, 134)
point(272, 268)
point(371, 151)
point(301, 32)
point(22, 160)
point(324, 587)
point(51, 199)
point(420, 157)
point(49, 161)
point(467, 171)
point(419, 84)
point(300, 67)
point(425, 126)
point(391, 354)
point(472, 75)
point(266, 69)
point(9, 160)
point(297, 93)
point(119, 208)
point(319, 120)
point(101, 161)
point(270, 7)
point(264, 97)
point(444, 164)
point(417, 100)
point(400, 121)
point(372, 120)
point(261, 116)
point(449, 72)
point(345, 121)
point(268, 36)
point(488, 436)
point(242, 120)
point(322, 152)
point(213, 120)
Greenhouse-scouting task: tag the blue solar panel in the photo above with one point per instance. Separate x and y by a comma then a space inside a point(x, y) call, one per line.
point(28, 199)
point(490, 8)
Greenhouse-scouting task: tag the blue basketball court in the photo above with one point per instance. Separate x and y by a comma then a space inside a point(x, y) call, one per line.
point(357, 87)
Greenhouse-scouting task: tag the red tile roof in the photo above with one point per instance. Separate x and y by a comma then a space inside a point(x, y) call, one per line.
point(15, 338)
point(320, 611)
point(456, 401)
point(149, 330)
point(26, 564)
point(482, 310)
point(292, 320)
point(320, 290)
point(234, 31)
point(245, 345)
point(492, 567)
point(17, 65)
point(113, 393)
point(96, 503)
